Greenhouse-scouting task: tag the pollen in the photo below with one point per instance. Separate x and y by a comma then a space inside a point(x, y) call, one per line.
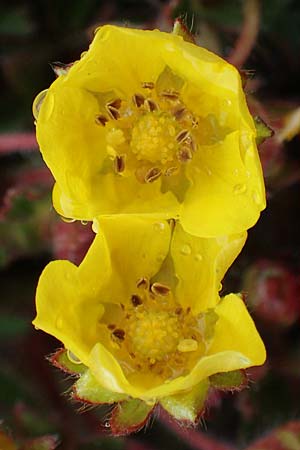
point(153, 137)
point(154, 334)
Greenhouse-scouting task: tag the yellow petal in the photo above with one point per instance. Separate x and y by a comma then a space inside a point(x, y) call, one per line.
point(200, 265)
point(66, 131)
point(235, 330)
point(112, 194)
point(138, 246)
point(64, 312)
point(227, 194)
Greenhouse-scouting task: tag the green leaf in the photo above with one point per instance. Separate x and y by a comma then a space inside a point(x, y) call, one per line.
point(87, 389)
point(234, 380)
point(187, 406)
point(263, 131)
point(61, 360)
point(130, 416)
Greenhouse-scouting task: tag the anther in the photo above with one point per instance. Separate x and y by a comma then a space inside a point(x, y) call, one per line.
point(184, 154)
point(119, 334)
point(170, 95)
point(148, 85)
point(115, 103)
point(171, 171)
point(101, 120)
point(187, 345)
point(152, 175)
point(160, 289)
point(119, 163)
point(138, 100)
point(142, 283)
point(182, 135)
point(113, 112)
point(136, 300)
point(151, 105)
point(179, 113)
point(190, 141)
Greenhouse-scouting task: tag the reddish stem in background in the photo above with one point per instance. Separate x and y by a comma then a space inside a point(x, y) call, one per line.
point(192, 437)
point(248, 35)
point(17, 142)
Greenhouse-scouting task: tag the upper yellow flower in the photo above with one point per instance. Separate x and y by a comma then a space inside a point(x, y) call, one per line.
point(142, 312)
point(148, 123)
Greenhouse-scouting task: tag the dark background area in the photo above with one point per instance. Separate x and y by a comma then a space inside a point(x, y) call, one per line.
point(262, 37)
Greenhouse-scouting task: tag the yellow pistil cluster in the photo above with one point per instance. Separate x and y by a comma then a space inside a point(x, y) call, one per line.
point(153, 334)
point(153, 137)
point(151, 134)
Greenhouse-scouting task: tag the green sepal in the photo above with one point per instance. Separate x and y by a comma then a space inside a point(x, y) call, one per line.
point(130, 416)
point(60, 359)
point(187, 406)
point(235, 380)
point(87, 389)
point(41, 443)
point(263, 131)
point(180, 29)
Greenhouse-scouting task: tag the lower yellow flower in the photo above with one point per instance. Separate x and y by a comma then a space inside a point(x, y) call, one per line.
point(142, 319)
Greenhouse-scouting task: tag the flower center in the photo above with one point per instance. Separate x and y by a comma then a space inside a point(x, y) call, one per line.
point(152, 134)
point(153, 334)
point(154, 137)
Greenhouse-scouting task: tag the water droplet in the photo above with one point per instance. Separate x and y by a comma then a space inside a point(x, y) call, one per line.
point(48, 106)
point(73, 358)
point(36, 328)
point(84, 222)
point(256, 197)
point(198, 257)
point(67, 219)
point(240, 188)
point(186, 249)
point(159, 226)
point(107, 424)
point(208, 171)
point(236, 172)
point(38, 103)
point(95, 226)
point(220, 287)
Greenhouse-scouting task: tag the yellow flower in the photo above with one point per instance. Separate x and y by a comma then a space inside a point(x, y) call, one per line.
point(148, 123)
point(142, 312)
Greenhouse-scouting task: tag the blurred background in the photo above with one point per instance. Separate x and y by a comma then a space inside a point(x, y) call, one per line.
point(263, 39)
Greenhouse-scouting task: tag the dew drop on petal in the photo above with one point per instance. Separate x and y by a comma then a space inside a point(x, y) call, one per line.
point(84, 222)
point(198, 257)
point(159, 226)
point(38, 101)
point(186, 249)
point(240, 188)
point(67, 219)
point(73, 358)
